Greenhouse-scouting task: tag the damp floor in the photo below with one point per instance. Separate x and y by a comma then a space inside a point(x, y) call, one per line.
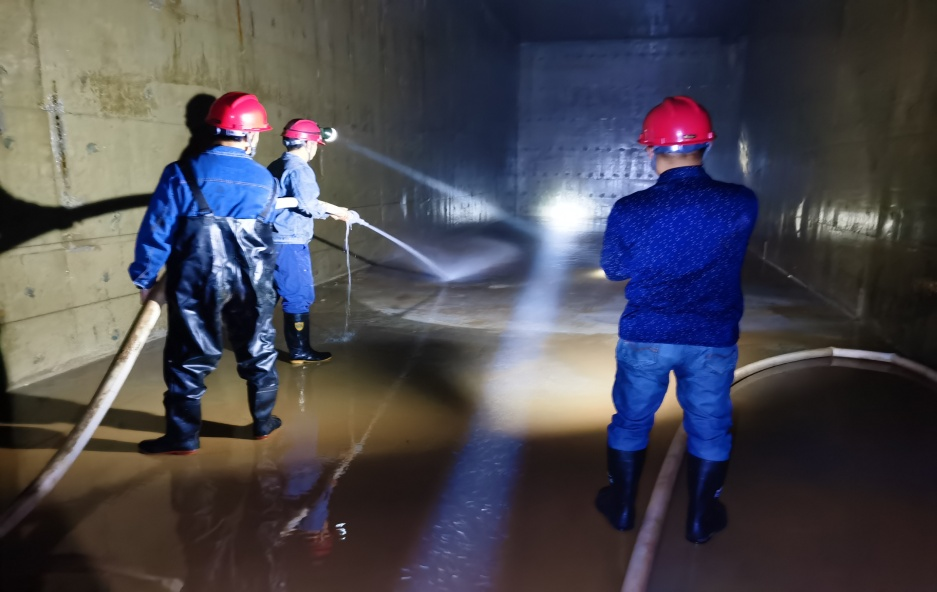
point(456, 442)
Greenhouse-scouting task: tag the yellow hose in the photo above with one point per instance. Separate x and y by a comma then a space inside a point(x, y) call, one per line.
point(116, 375)
point(638, 573)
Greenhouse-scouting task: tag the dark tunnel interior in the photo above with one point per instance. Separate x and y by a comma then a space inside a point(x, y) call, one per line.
point(457, 439)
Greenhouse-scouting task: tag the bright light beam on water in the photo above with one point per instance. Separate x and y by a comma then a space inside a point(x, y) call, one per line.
point(491, 210)
point(459, 549)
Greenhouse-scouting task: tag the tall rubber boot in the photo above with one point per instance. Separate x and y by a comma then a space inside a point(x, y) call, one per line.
point(261, 404)
point(296, 331)
point(616, 501)
point(705, 515)
point(183, 421)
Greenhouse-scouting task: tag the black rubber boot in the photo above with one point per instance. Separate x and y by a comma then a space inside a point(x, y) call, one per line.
point(263, 430)
point(261, 403)
point(706, 515)
point(296, 331)
point(616, 501)
point(183, 421)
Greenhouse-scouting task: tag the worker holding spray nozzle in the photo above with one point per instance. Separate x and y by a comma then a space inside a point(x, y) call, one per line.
point(680, 244)
point(209, 223)
point(294, 229)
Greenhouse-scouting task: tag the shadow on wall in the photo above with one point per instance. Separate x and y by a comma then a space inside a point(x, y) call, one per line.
point(22, 221)
point(201, 135)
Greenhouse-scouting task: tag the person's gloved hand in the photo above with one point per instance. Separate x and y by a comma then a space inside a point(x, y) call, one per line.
point(352, 217)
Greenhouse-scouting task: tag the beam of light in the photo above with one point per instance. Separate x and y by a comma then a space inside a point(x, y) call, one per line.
point(745, 157)
point(567, 213)
point(459, 549)
point(598, 274)
point(469, 208)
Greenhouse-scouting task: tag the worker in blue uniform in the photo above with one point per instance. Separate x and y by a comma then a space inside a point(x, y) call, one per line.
point(294, 229)
point(209, 223)
point(680, 244)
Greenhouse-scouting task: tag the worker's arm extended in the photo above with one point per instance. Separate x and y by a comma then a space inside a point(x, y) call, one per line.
point(302, 191)
point(157, 231)
point(331, 210)
point(300, 183)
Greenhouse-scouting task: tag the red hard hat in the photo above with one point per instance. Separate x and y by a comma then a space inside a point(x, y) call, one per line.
point(678, 121)
point(304, 129)
point(238, 112)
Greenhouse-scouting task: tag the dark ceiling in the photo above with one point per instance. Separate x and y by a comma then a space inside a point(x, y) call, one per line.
point(573, 20)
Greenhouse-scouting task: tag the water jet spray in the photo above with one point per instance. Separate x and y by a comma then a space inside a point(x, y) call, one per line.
point(354, 218)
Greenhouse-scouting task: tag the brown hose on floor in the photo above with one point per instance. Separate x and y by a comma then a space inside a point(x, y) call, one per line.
point(638, 573)
point(84, 429)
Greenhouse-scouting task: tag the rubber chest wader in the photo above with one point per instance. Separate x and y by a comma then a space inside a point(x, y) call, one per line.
point(220, 272)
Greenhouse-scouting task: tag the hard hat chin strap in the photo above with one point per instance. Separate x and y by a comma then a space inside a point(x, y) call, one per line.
point(252, 145)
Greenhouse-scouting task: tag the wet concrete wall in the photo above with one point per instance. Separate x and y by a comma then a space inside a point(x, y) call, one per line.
point(582, 106)
point(839, 115)
point(93, 101)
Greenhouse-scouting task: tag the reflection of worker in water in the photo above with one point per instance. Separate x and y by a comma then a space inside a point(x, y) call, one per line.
point(681, 244)
point(294, 229)
point(237, 535)
point(307, 493)
point(208, 222)
point(229, 529)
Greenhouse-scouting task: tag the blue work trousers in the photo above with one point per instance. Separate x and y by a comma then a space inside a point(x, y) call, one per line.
point(704, 376)
point(293, 278)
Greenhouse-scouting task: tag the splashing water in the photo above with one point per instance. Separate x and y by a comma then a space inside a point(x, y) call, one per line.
point(347, 334)
point(435, 269)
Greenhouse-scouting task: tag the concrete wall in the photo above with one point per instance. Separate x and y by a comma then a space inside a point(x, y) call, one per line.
point(839, 120)
point(93, 97)
point(582, 106)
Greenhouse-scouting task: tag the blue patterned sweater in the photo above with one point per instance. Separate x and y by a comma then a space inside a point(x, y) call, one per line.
point(681, 244)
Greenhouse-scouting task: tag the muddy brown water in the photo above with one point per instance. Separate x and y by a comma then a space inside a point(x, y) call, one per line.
point(456, 442)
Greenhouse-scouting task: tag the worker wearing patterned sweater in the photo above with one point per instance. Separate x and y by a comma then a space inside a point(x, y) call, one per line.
point(680, 244)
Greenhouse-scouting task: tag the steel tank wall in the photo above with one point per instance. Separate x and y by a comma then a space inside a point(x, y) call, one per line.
point(838, 119)
point(582, 105)
point(93, 101)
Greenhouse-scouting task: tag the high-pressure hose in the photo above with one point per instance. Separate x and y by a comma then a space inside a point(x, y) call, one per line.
point(638, 573)
point(76, 441)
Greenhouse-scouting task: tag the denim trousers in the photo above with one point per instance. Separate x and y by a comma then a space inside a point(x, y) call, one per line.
point(293, 278)
point(704, 376)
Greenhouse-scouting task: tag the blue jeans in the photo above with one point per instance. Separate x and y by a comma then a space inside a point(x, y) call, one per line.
point(293, 278)
point(704, 377)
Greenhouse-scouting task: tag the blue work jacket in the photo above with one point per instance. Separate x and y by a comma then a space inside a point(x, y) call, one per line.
point(297, 179)
point(234, 186)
